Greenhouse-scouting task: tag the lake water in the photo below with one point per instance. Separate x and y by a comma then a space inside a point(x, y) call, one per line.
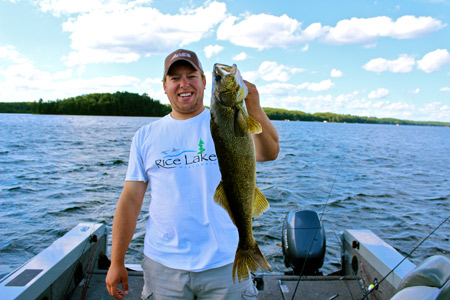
point(57, 171)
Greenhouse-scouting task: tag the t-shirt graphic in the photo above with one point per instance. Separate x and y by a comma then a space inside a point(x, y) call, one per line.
point(189, 158)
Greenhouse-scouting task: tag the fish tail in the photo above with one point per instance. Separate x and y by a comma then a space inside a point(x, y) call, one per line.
point(248, 259)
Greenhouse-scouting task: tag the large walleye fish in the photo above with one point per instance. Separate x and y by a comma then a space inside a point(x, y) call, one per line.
point(231, 130)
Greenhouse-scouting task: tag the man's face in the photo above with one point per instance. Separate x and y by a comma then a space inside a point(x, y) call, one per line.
point(184, 86)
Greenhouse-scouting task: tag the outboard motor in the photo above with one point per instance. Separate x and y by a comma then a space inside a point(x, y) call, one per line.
point(303, 242)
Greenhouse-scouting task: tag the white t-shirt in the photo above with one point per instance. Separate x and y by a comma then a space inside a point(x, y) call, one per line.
point(186, 229)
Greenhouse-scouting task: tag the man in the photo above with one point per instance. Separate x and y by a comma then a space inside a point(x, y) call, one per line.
point(190, 241)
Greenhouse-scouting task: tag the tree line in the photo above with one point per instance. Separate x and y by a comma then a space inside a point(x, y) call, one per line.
point(294, 115)
point(132, 104)
point(100, 104)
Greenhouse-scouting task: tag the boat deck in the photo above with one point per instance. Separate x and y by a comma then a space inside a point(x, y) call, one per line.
point(272, 286)
point(62, 267)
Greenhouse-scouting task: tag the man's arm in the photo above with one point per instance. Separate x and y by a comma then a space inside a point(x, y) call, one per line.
point(266, 143)
point(124, 225)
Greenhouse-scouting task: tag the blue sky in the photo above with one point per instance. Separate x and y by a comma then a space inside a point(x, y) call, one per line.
point(367, 58)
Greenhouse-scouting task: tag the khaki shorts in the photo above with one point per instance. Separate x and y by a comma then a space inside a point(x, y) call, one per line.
point(161, 282)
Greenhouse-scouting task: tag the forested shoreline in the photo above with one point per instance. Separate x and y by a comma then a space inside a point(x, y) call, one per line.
point(99, 104)
point(132, 104)
point(295, 115)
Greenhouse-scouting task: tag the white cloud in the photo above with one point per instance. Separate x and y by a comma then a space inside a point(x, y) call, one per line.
point(287, 96)
point(367, 30)
point(152, 81)
point(357, 30)
point(408, 27)
point(273, 71)
point(126, 34)
point(27, 83)
point(212, 50)
point(59, 7)
point(9, 53)
point(250, 76)
point(416, 91)
point(433, 61)
point(445, 89)
point(314, 31)
point(291, 90)
point(321, 86)
point(240, 57)
point(347, 97)
point(260, 31)
point(81, 69)
point(435, 111)
point(86, 56)
point(403, 64)
point(123, 31)
point(62, 75)
point(21, 75)
point(378, 93)
point(23, 81)
point(336, 73)
point(278, 89)
point(70, 7)
point(267, 31)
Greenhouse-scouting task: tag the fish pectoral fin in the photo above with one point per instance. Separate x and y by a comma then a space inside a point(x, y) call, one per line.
point(221, 198)
point(260, 203)
point(253, 125)
point(240, 123)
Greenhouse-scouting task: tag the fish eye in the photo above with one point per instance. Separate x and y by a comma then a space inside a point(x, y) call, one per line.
point(218, 78)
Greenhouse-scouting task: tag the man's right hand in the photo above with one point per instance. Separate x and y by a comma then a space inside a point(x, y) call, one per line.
point(124, 225)
point(117, 274)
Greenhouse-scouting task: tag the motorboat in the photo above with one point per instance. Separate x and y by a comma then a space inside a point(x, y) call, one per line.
point(75, 266)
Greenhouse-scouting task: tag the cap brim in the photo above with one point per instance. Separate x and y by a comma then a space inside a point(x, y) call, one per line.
point(181, 59)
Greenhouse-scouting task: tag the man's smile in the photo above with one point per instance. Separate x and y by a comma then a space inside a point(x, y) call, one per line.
point(185, 95)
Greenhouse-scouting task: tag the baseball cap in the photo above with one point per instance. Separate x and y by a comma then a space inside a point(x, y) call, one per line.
point(182, 54)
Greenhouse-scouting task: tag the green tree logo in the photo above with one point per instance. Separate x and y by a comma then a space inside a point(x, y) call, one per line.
point(200, 147)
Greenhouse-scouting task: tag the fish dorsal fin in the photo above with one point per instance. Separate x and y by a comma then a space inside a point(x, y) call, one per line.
point(253, 125)
point(221, 198)
point(240, 124)
point(260, 203)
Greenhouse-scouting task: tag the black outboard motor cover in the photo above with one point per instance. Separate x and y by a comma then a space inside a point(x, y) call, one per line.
point(303, 232)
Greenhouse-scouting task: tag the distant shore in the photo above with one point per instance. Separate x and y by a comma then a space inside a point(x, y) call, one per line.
point(295, 115)
point(132, 104)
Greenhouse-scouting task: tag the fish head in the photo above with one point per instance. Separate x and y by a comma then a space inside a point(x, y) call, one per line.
point(228, 86)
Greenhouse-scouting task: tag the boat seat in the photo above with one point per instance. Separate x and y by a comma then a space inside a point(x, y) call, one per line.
point(429, 280)
point(444, 294)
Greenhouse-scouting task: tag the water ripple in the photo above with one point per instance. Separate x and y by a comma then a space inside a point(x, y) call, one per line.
point(68, 169)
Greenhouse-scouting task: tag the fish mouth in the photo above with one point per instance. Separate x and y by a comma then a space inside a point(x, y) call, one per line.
point(221, 70)
point(224, 76)
point(228, 84)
